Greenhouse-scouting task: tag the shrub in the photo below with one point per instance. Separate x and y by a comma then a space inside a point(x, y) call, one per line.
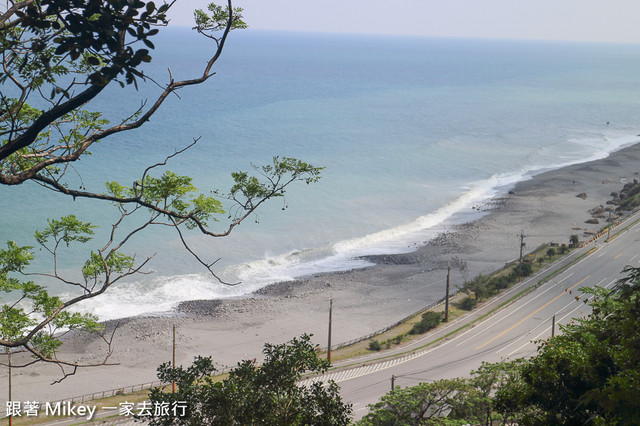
point(527, 269)
point(499, 283)
point(374, 345)
point(398, 339)
point(514, 275)
point(429, 320)
point(468, 304)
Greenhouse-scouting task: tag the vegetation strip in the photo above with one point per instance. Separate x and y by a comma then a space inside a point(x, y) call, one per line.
point(489, 313)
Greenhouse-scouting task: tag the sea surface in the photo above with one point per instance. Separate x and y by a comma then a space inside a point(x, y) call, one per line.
point(413, 134)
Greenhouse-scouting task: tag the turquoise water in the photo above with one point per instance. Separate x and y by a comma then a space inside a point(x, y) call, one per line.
point(413, 132)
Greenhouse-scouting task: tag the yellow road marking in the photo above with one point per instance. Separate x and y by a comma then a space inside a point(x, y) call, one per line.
point(618, 256)
point(533, 313)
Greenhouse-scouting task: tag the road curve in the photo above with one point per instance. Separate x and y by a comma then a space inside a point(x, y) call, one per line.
point(505, 334)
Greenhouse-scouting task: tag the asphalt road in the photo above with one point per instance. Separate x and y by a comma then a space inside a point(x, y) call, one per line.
point(506, 334)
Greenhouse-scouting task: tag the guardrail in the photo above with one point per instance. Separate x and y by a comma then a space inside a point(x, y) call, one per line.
point(123, 390)
point(389, 327)
point(112, 392)
point(130, 389)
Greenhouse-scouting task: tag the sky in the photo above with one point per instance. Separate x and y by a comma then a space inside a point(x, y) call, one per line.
point(574, 20)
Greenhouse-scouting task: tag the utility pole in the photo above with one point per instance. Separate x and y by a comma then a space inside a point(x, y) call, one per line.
point(173, 362)
point(521, 249)
point(330, 318)
point(446, 298)
point(609, 226)
point(553, 326)
point(393, 381)
point(10, 396)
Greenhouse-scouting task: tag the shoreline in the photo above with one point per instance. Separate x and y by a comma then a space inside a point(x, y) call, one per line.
point(545, 207)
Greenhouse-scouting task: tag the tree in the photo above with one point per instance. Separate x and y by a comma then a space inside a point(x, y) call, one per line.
point(551, 252)
point(590, 373)
point(477, 287)
point(449, 401)
point(574, 240)
point(423, 404)
point(58, 56)
point(252, 394)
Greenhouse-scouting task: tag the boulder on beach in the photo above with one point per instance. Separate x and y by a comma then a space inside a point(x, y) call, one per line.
point(582, 195)
point(592, 221)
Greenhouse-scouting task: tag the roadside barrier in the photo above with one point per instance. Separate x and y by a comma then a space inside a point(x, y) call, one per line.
point(601, 233)
point(384, 330)
point(130, 389)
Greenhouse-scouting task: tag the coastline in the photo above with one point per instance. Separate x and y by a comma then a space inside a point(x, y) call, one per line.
point(544, 207)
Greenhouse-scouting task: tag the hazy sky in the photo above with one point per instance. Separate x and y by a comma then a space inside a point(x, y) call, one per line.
point(588, 20)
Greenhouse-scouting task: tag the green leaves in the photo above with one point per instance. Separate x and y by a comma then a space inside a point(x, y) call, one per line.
point(36, 311)
point(249, 190)
point(252, 394)
point(204, 208)
point(93, 33)
point(66, 230)
point(587, 375)
point(173, 194)
point(97, 265)
point(13, 322)
point(14, 258)
point(168, 188)
point(417, 405)
point(218, 18)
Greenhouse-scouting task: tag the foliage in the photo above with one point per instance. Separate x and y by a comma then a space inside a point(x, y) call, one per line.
point(423, 404)
point(58, 57)
point(449, 401)
point(551, 252)
point(374, 345)
point(527, 269)
point(468, 303)
point(428, 321)
point(252, 394)
point(574, 240)
point(216, 19)
point(589, 374)
point(36, 316)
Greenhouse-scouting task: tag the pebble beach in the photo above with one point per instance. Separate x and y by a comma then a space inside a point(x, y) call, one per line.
point(545, 208)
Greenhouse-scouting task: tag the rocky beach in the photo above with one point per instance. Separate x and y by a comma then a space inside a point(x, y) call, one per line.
point(546, 208)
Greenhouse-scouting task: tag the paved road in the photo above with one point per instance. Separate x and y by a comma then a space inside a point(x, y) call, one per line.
point(508, 333)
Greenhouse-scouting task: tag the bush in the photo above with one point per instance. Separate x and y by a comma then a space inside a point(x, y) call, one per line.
point(429, 320)
point(527, 269)
point(499, 283)
point(468, 304)
point(374, 345)
point(398, 339)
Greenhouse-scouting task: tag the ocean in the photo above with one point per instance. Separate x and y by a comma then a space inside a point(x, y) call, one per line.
point(413, 134)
